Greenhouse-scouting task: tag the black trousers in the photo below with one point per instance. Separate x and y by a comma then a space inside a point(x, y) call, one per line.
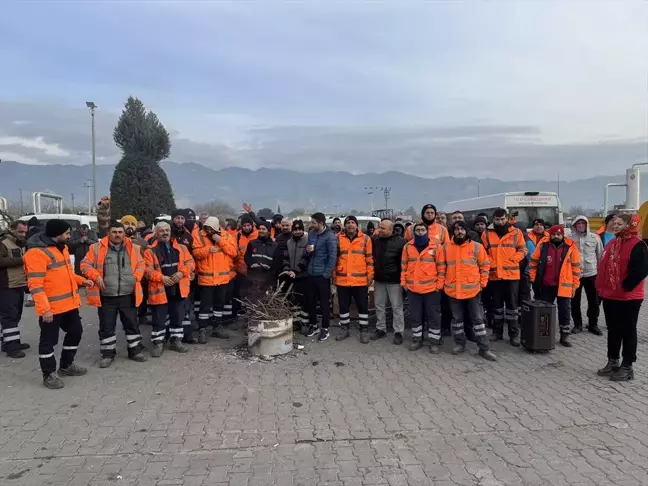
point(299, 297)
point(70, 323)
point(446, 314)
point(425, 306)
point(175, 310)
point(360, 296)
point(587, 284)
point(504, 295)
point(472, 310)
point(621, 317)
point(319, 291)
point(212, 303)
point(550, 294)
point(143, 308)
point(228, 307)
point(11, 308)
point(124, 307)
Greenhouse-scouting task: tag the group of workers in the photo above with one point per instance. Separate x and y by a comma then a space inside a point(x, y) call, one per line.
point(458, 278)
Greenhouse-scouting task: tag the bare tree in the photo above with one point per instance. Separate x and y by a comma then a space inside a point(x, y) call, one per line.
point(217, 208)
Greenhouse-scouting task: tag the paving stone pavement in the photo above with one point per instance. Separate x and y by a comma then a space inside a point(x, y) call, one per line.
point(334, 414)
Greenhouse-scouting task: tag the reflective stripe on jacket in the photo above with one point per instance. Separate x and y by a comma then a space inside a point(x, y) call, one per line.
point(214, 268)
point(156, 289)
point(505, 254)
point(463, 269)
point(419, 270)
point(570, 268)
point(51, 279)
point(92, 266)
point(355, 266)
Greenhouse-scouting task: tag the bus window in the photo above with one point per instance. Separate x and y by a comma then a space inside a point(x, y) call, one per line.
point(528, 215)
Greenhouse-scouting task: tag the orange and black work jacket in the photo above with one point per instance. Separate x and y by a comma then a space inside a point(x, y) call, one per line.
point(92, 266)
point(50, 277)
point(463, 269)
point(437, 233)
point(569, 267)
point(505, 254)
point(242, 243)
point(161, 263)
point(537, 238)
point(214, 268)
point(419, 272)
point(355, 265)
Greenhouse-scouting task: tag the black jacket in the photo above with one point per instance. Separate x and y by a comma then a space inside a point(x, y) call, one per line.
point(261, 253)
point(282, 242)
point(387, 253)
point(79, 248)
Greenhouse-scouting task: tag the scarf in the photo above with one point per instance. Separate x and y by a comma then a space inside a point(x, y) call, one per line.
point(613, 252)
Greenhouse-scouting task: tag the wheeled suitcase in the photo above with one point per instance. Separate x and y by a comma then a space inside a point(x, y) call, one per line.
point(538, 332)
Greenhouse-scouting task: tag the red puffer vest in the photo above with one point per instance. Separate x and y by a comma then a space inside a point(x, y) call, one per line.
point(602, 282)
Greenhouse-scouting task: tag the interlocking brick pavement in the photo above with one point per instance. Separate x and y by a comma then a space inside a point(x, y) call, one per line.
point(334, 414)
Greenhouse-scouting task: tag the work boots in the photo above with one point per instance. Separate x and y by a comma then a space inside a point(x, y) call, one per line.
point(176, 345)
point(344, 334)
point(564, 339)
point(515, 341)
point(458, 349)
point(364, 335)
point(202, 336)
point(220, 332)
point(487, 355)
point(106, 361)
point(157, 350)
point(417, 343)
point(53, 382)
point(624, 373)
point(378, 334)
point(73, 370)
point(594, 329)
point(610, 368)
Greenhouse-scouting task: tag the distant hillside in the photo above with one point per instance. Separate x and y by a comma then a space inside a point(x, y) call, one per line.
point(326, 191)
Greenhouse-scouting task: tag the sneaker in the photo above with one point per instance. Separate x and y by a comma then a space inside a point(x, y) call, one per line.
point(458, 349)
point(324, 335)
point(435, 349)
point(364, 335)
point(344, 334)
point(312, 330)
point(595, 330)
point(202, 336)
point(577, 329)
point(177, 346)
point(16, 354)
point(416, 345)
point(398, 338)
point(515, 341)
point(106, 361)
point(379, 334)
point(157, 350)
point(53, 382)
point(610, 368)
point(139, 358)
point(220, 333)
point(487, 355)
point(564, 340)
point(73, 370)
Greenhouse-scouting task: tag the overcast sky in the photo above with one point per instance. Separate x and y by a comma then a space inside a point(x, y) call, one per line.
point(507, 89)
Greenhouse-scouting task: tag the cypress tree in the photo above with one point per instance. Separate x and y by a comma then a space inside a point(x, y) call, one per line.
point(140, 187)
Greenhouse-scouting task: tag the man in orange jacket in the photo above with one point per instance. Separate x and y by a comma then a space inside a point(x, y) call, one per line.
point(506, 248)
point(353, 275)
point(463, 272)
point(555, 274)
point(214, 252)
point(116, 267)
point(54, 285)
point(419, 277)
point(169, 268)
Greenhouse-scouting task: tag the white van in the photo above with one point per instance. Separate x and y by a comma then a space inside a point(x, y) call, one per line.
point(74, 220)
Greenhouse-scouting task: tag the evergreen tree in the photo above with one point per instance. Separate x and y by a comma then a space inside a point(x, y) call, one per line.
point(140, 187)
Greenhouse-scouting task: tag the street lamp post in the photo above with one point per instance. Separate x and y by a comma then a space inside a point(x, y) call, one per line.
point(92, 106)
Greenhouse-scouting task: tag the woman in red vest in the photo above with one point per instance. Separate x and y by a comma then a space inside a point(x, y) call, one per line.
point(620, 283)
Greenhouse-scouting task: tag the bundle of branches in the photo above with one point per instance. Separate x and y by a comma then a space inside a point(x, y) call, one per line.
point(270, 307)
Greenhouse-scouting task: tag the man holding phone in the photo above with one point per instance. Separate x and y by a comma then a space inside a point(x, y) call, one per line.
point(322, 256)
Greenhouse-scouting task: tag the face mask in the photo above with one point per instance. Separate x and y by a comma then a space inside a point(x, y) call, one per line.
point(421, 240)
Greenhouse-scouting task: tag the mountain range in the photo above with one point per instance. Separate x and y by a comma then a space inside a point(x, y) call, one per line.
point(326, 191)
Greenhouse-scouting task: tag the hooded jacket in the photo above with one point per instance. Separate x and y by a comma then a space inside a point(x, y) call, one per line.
point(589, 246)
point(12, 271)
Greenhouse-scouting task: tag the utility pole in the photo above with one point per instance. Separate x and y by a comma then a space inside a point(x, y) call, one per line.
point(22, 210)
point(72, 197)
point(92, 107)
point(89, 185)
point(478, 184)
point(386, 191)
point(370, 191)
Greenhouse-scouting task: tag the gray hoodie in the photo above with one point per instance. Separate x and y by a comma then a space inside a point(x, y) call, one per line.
point(590, 247)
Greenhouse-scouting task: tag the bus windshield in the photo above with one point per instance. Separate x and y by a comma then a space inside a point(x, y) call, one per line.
point(527, 215)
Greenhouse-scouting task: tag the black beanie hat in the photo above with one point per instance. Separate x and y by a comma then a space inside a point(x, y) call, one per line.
point(277, 218)
point(298, 224)
point(480, 219)
point(177, 212)
point(246, 219)
point(461, 224)
point(266, 224)
point(541, 221)
point(33, 221)
point(350, 218)
point(426, 207)
point(56, 227)
point(338, 219)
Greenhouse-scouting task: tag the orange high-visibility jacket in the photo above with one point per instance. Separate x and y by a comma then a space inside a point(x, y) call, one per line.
point(463, 269)
point(214, 268)
point(570, 270)
point(436, 232)
point(51, 280)
point(419, 270)
point(242, 241)
point(355, 265)
point(505, 254)
point(92, 267)
point(156, 289)
point(536, 238)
